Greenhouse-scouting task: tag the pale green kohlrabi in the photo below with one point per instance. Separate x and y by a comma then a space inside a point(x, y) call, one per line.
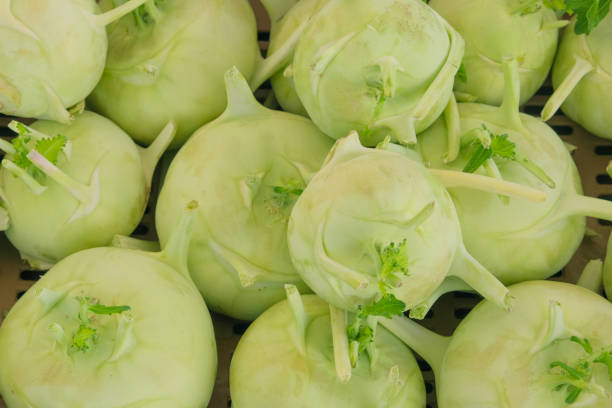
point(515, 239)
point(166, 62)
point(582, 77)
point(65, 188)
point(498, 29)
point(607, 270)
point(374, 225)
point(379, 67)
point(554, 349)
point(111, 328)
point(295, 355)
point(246, 169)
point(52, 54)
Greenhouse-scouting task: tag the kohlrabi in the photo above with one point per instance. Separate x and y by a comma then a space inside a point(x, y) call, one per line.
point(166, 62)
point(52, 54)
point(64, 188)
point(582, 77)
point(246, 169)
point(383, 68)
point(374, 227)
point(554, 349)
point(113, 328)
point(607, 270)
point(498, 29)
point(515, 239)
point(296, 355)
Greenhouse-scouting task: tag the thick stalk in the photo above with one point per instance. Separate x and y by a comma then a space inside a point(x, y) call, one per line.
point(450, 284)
point(118, 12)
point(592, 276)
point(7, 147)
point(175, 252)
point(297, 307)
point(19, 127)
point(580, 69)
point(555, 328)
point(452, 179)
point(340, 340)
point(587, 206)
point(150, 156)
point(124, 339)
point(493, 171)
point(425, 343)
point(240, 98)
point(453, 127)
point(123, 241)
point(469, 270)
point(34, 186)
point(509, 110)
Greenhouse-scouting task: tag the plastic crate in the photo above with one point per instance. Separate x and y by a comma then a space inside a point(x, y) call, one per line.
point(591, 156)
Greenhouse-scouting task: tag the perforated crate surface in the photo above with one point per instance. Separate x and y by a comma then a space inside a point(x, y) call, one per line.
point(592, 156)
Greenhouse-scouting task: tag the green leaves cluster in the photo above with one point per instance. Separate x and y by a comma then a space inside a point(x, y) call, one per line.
point(589, 13)
point(284, 196)
point(500, 147)
point(85, 336)
point(577, 378)
point(49, 147)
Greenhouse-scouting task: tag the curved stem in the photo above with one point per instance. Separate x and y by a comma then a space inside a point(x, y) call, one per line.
point(453, 126)
point(469, 270)
point(509, 109)
point(493, 171)
point(579, 70)
point(588, 207)
point(340, 340)
point(175, 252)
point(427, 344)
point(123, 241)
point(150, 156)
point(452, 179)
point(7, 147)
point(592, 276)
point(124, 339)
point(34, 186)
point(555, 328)
point(118, 12)
point(450, 284)
point(19, 127)
point(372, 322)
point(240, 98)
point(297, 307)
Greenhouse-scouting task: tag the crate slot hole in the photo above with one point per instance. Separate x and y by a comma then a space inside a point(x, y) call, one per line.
point(461, 312)
point(605, 150)
point(558, 274)
point(603, 179)
point(546, 90)
point(563, 130)
point(240, 328)
point(429, 387)
point(263, 36)
point(533, 109)
point(31, 275)
point(141, 229)
point(423, 365)
point(20, 294)
point(466, 295)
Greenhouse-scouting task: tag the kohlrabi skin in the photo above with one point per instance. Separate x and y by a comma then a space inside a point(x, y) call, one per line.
point(166, 62)
point(383, 68)
point(607, 270)
point(552, 350)
point(515, 239)
point(65, 188)
point(375, 225)
point(582, 78)
point(494, 30)
point(52, 54)
point(112, 328)
point(246, 169)
point(291, 356)
point(282, 82)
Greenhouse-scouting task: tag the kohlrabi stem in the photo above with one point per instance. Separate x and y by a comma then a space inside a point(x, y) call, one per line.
point(124, 339)
point(589, 207)
point(342, 358)
point(175, 252)
point(123, 241)
point(34, 186)
point(425, 343)
point(48, 299)
point(555, 328)
point(392, 387)
point(297, 307)
point(6, 147)
point(352, 278)
point(150, 156)
point(33, 133)
point(276, 9)
point(469, 270)
point(118, 12)
point(509, 108)
point(278, 59)
point(581, 68)
point(535, 170)
point(153, 11)
point(450, 284)
point(592, 276)
point(474, 181)
point(89, 196)
point(493, 171)
point(372, 322)
point(453, 128)
point(240, 98)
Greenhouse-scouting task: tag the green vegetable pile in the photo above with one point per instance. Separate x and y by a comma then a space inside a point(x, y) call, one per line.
point(397, 168)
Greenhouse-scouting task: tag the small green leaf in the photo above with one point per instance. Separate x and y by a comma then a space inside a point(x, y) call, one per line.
point(589, 13)
point(394, 261)
point(585, 343)
point(108, 310)
point(502, 147)
point(605, 358)
point(51, 147)
point(573, 393)
point(83, 338)
point(387, 306)
point(572, 372)
point(478, 157)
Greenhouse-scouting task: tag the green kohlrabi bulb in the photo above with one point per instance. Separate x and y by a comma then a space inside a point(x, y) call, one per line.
point(166, 62)
point(515, 239)
point(498, 29)
point(52, 54)
point(65, 188)
point(375, 222)
point(582, 77)
point(383, 68)
point(291, 357)
point(553, 350)
point(246, 169)
point(110, 327)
